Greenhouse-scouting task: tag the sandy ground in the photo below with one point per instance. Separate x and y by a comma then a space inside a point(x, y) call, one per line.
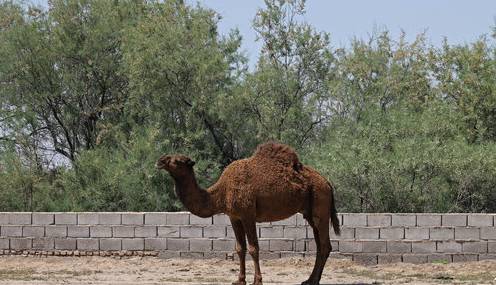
point(17, 270)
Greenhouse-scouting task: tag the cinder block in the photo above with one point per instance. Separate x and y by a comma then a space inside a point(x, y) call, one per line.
point(300, 221)
point(43, 218)
point(337, 255)
point(178, 244)
point(19, 218)
point(291, 221)
point(367, 233)
point(415, 258)
point(4, 243)
point(33, 231)
point(109, 218)
point(65, 243)
point(215, 255)
point(133, 218)
point(310, 234)
point(488, 233)
point(442, 233)
point(87, 218)
point(355, 220)
point(123, 231)
point(389, 258)
point(4, 218)
point(417, 233)
point(274, 232)
point(43, 243)
point(56, 231)
point(475, 247)
point(378, 220)
point(491, 247)
point(394, 233)
point(216, 231)
point(101, 231)
point(87, 244)
point(110, 244)
point(145, 231)
point(467, 233)
point(133, 244)
point(365, 259)
point(346, 233)
point(350, 246)
point(168, 231)
point(466, 257)
point(223, 245)
point(480, 220)
point(155, 243)
point(191, 232)
point(424, 247)
point(310, 245)
point(168, 254)
point(295, 232)
point(404, 220)
point(292, 254)
point(280, 244)
point(449, 246)
point(300, 245)
point(195, 220)
point(155, 218)
point(192, 255)
point(439, 258)
point(179, 218)
point(487, 256)
point(374, 246)
point(399, 246)
point(66, 218)
point(78, 231)
point(263, 244)
point(20, 243)
point(200, 244)
point(428, 220)
point(454, 220)
point(264, 255)
point(221, 220)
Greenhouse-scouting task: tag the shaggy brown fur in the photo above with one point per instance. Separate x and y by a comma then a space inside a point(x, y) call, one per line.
point(271, 185)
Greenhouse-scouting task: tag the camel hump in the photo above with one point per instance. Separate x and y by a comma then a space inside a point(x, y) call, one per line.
point(280, 153)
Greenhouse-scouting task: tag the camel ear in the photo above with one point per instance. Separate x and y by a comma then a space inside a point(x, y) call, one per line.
point(190, 163)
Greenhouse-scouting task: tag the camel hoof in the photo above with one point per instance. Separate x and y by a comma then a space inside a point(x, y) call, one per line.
point(239, 283)
point(309, 282)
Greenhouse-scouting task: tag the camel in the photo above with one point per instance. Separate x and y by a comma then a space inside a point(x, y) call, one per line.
point(270, 185)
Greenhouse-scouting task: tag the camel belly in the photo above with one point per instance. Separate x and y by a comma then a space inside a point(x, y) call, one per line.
point(271, 209)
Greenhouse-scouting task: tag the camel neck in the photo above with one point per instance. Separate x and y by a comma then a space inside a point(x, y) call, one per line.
point(197, 200)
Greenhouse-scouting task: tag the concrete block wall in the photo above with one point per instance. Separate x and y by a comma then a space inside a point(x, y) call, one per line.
point(365, 238)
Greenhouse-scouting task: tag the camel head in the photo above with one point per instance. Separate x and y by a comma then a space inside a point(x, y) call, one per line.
point(176, 164)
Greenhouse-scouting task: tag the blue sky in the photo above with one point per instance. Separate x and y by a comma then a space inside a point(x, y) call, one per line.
point(461, 21)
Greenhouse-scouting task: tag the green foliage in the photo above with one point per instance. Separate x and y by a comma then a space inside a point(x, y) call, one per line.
point(92, 92)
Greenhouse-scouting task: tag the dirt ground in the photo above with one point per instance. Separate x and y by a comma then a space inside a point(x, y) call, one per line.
point(17, 270)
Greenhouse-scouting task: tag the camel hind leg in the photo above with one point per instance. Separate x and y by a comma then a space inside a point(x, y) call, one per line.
point(318, 218)
point(250, 228)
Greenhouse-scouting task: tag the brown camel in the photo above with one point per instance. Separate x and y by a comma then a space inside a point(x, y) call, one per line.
point(270, 185)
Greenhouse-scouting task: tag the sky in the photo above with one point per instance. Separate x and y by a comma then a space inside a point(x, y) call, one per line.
point(461, 21)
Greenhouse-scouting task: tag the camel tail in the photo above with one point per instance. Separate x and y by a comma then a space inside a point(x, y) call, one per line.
point(334, 213)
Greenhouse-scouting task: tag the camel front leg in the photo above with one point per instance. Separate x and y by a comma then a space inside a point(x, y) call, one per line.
point(239, 233)
point(253, 248)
